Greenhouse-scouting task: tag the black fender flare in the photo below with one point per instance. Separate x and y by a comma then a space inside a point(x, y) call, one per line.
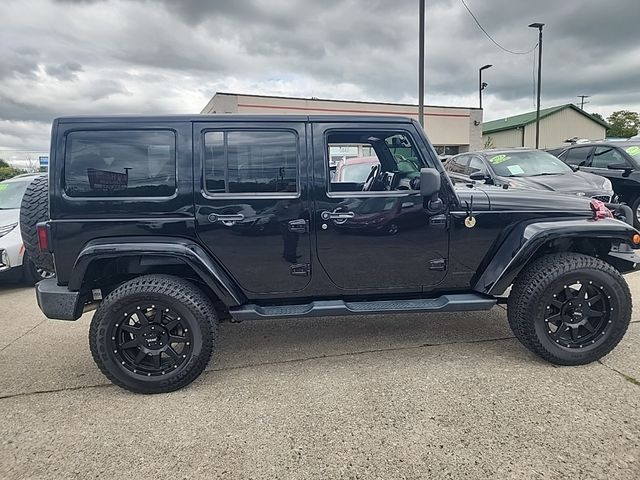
point(504, 263)
point(185, 250)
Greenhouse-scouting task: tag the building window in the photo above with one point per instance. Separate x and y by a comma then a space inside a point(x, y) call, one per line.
point(251, 162)
point(447, 149)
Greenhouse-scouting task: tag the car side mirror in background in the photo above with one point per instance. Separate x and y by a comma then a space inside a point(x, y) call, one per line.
point(479, 176)
point(429, 182)
point(618, 166)
point(621, 166)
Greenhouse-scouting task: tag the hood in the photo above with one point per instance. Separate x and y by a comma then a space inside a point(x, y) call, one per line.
point(8, 217)
point(538, 200)
point(571, 183)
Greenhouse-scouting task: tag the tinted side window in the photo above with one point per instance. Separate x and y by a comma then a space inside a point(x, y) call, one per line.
point(604, 156)
point(458, 164)
point(120, 163)
point(577, 156)
point(251, 162)
point(476, 165)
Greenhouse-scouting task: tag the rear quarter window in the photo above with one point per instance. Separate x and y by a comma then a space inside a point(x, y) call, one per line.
point(120, 163)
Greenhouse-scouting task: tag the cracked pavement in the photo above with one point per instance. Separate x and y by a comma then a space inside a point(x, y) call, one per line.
point(393, 396)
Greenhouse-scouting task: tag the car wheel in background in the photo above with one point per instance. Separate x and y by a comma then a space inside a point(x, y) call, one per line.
point(33, 210)
point(635, 206)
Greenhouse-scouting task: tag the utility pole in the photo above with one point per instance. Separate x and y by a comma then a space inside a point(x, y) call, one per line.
point(421, 65)
point(582, 102)
point(539, 27)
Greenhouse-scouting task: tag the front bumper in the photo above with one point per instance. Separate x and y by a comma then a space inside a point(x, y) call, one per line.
point(58, 302)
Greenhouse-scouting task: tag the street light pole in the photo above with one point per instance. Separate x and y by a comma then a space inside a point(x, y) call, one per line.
point(481, 85)
point(539, 27)
point(421, 65)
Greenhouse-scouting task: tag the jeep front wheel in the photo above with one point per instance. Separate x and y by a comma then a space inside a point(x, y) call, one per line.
point(569, 309)
point(153, 334)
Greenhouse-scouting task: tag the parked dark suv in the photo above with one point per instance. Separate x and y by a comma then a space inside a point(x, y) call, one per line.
point(147, 223)
point(617, 161)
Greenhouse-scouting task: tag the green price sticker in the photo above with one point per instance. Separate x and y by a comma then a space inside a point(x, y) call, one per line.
point(499, 159)
point(3, 186)
point(633, 151)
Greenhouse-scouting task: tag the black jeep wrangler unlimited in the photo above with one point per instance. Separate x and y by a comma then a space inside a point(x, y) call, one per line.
point(168, 224)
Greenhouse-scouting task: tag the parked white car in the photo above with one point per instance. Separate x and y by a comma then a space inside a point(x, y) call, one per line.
point(13, 260)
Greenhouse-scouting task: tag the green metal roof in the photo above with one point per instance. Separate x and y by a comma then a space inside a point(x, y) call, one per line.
point(530, 117)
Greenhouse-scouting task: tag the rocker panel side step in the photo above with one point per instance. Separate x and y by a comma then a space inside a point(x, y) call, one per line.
point(323, 308)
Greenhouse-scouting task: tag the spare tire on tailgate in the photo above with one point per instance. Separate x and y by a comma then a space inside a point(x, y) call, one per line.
point(35, 209)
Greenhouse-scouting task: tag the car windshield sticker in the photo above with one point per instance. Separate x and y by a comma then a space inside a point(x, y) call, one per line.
point(634, 151)
point(3, 187)
point(499, 159)
point(515, 169)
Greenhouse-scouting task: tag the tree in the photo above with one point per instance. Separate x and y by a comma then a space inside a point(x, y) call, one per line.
point(3, 164)
point(624, 124)
point(8, 172)
point(598, 116)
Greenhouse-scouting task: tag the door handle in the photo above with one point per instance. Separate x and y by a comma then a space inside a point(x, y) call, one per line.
point(226, 220)
point(326, 215)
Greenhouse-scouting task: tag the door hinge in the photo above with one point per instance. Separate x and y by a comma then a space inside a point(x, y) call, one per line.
point(299, 225)
point(439, 221)
point(438, 264)
point(300, 269)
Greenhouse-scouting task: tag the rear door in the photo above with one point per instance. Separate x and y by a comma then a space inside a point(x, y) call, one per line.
point(251, 197)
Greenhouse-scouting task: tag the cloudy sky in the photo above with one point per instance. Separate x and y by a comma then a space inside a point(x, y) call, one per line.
point(61, 57)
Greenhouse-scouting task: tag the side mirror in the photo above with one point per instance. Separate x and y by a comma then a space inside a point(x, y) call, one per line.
point(479, 176)
point(618, 166)
point(429, 182)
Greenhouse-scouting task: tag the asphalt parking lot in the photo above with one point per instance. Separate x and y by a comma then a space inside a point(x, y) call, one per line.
point(404, 396)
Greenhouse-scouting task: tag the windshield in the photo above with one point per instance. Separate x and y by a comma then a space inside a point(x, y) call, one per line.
point(527, 164)
point(633, 150)
point(11, 194)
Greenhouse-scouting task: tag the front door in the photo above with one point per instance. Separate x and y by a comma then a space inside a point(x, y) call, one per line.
point(252, 202)
point(372, 229)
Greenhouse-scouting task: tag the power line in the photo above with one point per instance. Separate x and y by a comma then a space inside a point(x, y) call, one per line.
point(491, 38)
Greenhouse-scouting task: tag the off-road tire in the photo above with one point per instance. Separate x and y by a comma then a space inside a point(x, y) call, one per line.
point(531, 293)
point(189, 301)
point(634, 207)
point(33, 210)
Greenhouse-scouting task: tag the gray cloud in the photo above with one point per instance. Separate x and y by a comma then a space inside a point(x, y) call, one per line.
point(141, 56)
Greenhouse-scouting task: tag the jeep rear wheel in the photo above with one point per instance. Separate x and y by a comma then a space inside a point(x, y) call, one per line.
point(153, 334)
point(33, 210)
point(570, 309)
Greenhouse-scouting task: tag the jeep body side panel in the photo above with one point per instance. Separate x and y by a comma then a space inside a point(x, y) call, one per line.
point(148, 250)
point(520, 243)
point(77, 220)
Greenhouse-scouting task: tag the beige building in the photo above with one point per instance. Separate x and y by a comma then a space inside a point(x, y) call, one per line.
point(557, 124)
point(450, 129)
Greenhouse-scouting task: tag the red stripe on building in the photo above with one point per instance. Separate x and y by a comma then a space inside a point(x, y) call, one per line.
point(344, 110)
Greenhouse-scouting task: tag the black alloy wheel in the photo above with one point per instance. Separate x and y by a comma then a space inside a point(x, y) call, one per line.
point(578, 315)
point(151, 340)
